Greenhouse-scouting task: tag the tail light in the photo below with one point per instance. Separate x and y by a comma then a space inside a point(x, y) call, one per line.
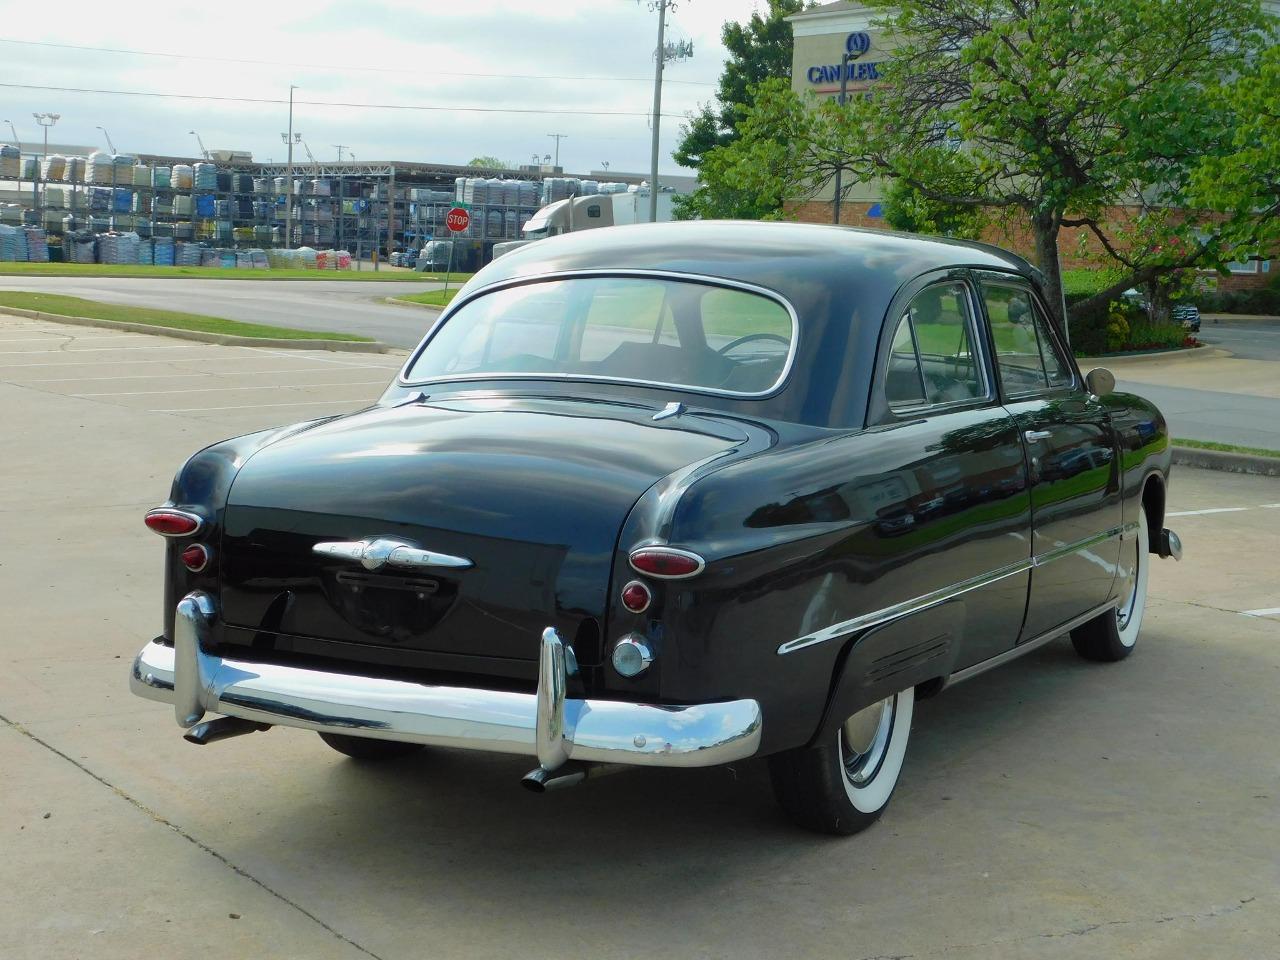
point(195, 557)
point(636, 597)
point(169, 522)
point(667, 563)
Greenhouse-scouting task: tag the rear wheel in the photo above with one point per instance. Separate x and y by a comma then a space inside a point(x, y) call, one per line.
point(1111, 636)
point(842, 785)
point(365, 748)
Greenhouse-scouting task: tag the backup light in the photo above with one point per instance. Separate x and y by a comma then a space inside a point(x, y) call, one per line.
point(169, 522)
point(666, 563)
point(195, 557)
point(632, 656)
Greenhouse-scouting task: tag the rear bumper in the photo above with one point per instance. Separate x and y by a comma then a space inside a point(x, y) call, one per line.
point(546, 725)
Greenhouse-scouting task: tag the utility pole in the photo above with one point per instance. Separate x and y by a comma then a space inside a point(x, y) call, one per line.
point(662, 53)
point(46, 120)
point(110, 146)
point(289, 140)
point(340, 147)
point(558, 137)
point(17, 143)
point(844, 89)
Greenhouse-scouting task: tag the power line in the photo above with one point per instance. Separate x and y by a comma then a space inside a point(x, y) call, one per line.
point(329, 67)
point(333, 103)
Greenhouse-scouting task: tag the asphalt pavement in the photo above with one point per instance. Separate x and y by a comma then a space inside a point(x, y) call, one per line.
point(1052, 808)
point(351, 306)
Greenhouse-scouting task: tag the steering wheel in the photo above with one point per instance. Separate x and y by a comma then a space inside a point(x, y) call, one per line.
point(750, 337)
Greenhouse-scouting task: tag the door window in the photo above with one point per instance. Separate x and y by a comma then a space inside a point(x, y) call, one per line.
point(931, 359)
point(1028, 358)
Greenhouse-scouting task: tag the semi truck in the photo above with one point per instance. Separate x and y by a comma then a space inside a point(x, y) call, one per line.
point(588, 213)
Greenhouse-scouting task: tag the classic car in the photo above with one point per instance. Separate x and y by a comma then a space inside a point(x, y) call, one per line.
point(673, 495)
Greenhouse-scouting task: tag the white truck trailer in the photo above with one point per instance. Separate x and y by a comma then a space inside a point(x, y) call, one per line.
point(588, 213)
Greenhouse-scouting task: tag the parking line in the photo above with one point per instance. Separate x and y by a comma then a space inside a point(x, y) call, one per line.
point(1264, 612)
point(273, 386)
point(87, 363)
point(1201, 513)
point(262, 406)
point(229, 373)
point(192, 346)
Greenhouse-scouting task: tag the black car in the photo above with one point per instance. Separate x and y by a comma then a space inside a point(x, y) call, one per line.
point(673, 495)
point(1187, 315)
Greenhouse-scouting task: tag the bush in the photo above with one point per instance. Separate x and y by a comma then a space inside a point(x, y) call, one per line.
point(1157, 336)
point(1265, 300)
point(1117, 327)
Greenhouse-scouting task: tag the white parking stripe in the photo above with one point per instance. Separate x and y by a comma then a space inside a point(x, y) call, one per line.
point(273, 386)
point(193, 346)
point(1264, 612)
point(202, 374)
point(87, 363)
point(1200, 513)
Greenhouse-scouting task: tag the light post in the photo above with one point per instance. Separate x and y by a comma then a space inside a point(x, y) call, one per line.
point(340, 147)
point(46, 120)
point(557, 137)
point(605, 165)
point(844, 90)
point(200, 143)
point(17, 143)
point(290, 139)
point(110, 146)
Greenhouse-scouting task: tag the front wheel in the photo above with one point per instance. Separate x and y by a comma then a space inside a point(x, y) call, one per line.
point(842, 785)
point(1111, 635)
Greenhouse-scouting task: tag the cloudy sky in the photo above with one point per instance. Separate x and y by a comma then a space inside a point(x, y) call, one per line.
point(589, 65)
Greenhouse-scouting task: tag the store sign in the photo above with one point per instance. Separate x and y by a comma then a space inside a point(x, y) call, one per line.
point(857, 72)
point(856, 44)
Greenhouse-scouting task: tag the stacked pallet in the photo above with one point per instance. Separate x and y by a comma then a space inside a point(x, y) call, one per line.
point(162, 251)
point(180, 176)
point(37, 244)
point(143, 176)
point(53, 167)
point(74, 171)
point(204, 177)
point(10, 162)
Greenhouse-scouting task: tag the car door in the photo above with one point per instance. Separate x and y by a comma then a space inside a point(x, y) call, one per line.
point(1070, 449)
point(953, 511)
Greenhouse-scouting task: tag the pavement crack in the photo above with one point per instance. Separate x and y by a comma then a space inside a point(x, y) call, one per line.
point(158, 818)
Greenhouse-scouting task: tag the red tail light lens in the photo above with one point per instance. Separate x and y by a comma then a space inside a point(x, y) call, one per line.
point(172, 523)
point(636, 597)
point(667, 563)
point(195, 557)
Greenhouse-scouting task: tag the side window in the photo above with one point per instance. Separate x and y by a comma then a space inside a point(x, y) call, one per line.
point(904, 383)
point(1026, 355)
point(942, 320)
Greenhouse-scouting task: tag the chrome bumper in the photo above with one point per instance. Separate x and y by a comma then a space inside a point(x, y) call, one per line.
point(546, 725)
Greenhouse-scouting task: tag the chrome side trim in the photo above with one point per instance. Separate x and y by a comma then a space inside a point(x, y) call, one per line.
point(374, 553)
point(591, 731)
point(943, 594)
point(1026, 647)
point(906, 607)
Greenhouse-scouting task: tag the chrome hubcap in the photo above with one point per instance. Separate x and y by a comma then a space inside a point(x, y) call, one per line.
point(864, 738)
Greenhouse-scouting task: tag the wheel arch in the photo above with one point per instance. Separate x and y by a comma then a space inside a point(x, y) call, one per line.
point(1153, 504)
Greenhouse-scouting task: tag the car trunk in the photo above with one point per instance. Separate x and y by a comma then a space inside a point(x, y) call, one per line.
point(532, 492)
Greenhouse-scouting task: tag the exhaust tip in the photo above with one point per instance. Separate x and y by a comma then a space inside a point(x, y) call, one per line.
point(539, 780)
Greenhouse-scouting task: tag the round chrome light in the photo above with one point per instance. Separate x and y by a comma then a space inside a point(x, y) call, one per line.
point(195, 557)
point(632, 656)
point(636, 597)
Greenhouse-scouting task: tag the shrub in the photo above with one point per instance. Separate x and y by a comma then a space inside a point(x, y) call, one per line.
point(1162, 336)
point(1117, 327)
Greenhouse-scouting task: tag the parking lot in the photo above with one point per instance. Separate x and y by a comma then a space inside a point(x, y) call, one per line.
point(1050, 808)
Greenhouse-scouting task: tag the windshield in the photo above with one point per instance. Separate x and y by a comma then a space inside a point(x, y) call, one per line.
point(652, 330)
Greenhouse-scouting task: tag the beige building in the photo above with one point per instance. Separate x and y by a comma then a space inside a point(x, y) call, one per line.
point(822, 36)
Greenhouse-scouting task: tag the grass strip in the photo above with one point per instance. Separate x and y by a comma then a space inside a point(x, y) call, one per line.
point(432, 298)
point(8, 269)
point(77, 307)
point(1225, 447)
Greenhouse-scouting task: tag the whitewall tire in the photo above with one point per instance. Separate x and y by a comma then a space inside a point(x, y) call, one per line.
point(1111, 636)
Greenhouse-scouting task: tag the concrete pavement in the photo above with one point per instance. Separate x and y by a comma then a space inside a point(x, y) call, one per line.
point(1052, 808)
point(350, 306)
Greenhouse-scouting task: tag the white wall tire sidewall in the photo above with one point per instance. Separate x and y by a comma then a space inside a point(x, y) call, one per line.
point(871, 796)
point(1128, 634)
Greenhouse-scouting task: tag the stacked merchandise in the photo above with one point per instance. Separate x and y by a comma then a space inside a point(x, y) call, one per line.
point(99, 200)
point(223, 181)
point(559, 188)
point(511, 225)
point(263, 185)
point(224, 231)
point(258, 259)
point(123, 201)
point(186, 255)
point(98, 224)
point(182, 205)
point(162, 206)
point(146, 252)
point(281, 259)
point(9, 243)
point(308, 257)
point(122, 165)
point(243, 183)
point(226, 259)
point(589, 188)
point(529, 192)
point(118, 248)
point(209, 257)
point(344, 260)
point(162, 253)
point(613, 188)
point(10, 162)
point(37, 245)
point(161, 228)
point(525, 217)
point(160, 178)
point(180, 176)
point(143, 176)
point(475, 190)
point(143, 203)
point(31, 168)
point(81, 244)
point(183, 230)
point(280, 185)
point(75, 169)
point(53, 167)
point(243, 260)
point(143, 226)
point(55, 198)
point(322, 260)
point(98, 169)
point(205, 205)
point(204, 176)
point(494, 224)
point(52, 220)
point(242, 235)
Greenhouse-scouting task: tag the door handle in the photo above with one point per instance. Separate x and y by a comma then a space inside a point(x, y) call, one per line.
point(1033, 436)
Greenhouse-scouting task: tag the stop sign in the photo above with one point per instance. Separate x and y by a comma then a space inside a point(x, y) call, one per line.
point(457, 220)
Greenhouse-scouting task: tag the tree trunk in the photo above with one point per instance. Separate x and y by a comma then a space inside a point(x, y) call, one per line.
point(1045, 227)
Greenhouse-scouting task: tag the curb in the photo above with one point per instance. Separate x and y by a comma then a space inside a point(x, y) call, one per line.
point(1199, 353)
point(397, 302)
point(1226, 461)
point(1220, 318)
point(224, 339)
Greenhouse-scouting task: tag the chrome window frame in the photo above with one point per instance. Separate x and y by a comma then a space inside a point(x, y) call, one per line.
point(977, 349)
point(402, 378)
point(1015, 282)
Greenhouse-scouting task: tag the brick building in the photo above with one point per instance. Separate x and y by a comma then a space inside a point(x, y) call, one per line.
point(822, 35)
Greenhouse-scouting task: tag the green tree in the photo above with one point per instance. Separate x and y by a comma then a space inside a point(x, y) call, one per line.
point(906, 208)
point(758, 49)
point(1054, 111)
point(488, 161)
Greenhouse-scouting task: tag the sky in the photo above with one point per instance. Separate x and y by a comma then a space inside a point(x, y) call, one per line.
point(381, 52)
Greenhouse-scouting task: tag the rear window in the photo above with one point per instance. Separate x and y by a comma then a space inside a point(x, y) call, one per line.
point(646, 330)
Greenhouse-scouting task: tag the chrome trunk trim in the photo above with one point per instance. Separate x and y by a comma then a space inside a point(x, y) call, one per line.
point(602, 731)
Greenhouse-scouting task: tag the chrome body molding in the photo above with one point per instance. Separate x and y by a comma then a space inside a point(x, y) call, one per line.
point(384, 551)
point(547, 724)
point(1027, 646)
point(917, 604)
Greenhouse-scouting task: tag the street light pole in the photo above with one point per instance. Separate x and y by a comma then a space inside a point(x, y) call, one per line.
point(46, 120)
point(558, 137)
point(17, 143)
point(110, 146)
point(288, 196)
point(844, 88)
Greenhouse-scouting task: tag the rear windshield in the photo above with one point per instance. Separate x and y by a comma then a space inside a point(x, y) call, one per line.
point(645, 330)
